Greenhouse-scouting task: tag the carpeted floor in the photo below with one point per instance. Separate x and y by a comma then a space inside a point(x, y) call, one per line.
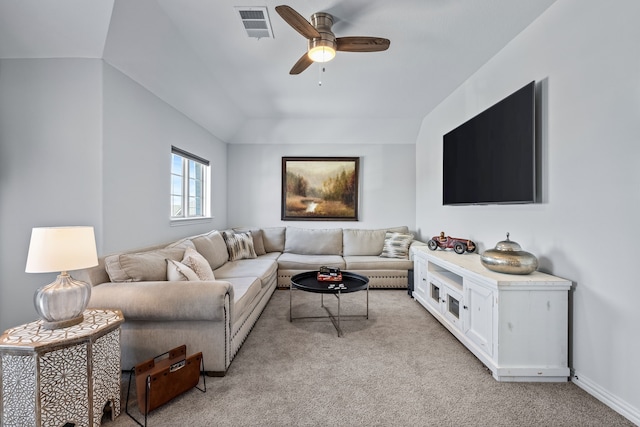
point(399, 368)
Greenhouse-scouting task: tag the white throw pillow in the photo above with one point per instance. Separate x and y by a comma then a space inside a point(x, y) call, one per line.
point(178, 272)
point(198, 264)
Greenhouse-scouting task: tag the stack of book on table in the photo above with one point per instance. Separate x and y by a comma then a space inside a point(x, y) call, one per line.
point(329, 274)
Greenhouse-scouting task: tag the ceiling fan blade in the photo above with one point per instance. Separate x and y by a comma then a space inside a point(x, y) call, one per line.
point(362, 44)
point(297, 21)
point(302, 64)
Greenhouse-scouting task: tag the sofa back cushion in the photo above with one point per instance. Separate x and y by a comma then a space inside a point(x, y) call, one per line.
point(141, 266)
point(273, 239)
point(308, 241)
point(182, 243)
point(367, 242)
point(212, 247)
point(363, 242)
point(93, 275)
point(401, 229)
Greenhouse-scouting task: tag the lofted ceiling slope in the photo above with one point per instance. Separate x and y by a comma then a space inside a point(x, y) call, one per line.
point(197, 57)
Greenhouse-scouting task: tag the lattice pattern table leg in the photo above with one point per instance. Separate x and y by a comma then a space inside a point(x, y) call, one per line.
point(18, 390)
point(106, 375)
point(64, 387)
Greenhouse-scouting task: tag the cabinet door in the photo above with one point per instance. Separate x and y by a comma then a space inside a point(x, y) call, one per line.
point(435, 293)
point(478, 311)
point(452, 306)
point(420, 277)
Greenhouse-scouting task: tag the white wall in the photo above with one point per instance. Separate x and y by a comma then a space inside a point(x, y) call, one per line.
point(82, 144)
point(387, 184)
point(139, 130)
point(585, 57)
point(344, 130)
point(50, 114)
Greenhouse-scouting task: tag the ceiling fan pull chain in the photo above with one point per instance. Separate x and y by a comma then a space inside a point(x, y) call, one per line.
point(321, 70)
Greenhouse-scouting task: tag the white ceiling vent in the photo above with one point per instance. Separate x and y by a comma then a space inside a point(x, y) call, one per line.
point(255, 21)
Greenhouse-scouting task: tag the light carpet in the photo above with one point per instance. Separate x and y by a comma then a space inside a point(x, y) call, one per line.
point(400, 367)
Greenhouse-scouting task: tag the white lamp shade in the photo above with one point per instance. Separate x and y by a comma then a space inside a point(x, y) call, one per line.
point(61, 249)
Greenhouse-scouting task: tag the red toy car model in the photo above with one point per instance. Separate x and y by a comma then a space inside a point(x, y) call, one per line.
point(459, 246)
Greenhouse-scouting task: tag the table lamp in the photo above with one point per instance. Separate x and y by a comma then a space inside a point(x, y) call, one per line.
point(53, 249)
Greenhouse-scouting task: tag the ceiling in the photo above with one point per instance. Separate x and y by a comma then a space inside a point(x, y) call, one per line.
point(197, 57)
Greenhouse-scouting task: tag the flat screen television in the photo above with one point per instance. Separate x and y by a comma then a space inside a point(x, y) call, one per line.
point(491, 159)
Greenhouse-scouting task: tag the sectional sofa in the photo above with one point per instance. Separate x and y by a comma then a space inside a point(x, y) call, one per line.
point(207, 291)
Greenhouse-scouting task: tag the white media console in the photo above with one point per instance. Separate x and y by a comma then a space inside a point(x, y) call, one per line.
point(517, 325)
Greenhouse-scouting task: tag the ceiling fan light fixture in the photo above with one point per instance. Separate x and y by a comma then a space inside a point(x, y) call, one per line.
point(322, 43)
point(323, 48)
point(322, 53)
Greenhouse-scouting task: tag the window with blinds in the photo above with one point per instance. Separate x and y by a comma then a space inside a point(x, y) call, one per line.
point(189, 184)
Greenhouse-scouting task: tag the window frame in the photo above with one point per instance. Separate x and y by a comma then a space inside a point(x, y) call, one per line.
point(188, 160)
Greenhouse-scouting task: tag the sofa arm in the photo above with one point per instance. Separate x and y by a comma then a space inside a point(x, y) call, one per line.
point(164, 301)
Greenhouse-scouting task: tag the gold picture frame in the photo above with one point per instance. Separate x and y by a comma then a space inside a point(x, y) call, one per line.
point(320, 188)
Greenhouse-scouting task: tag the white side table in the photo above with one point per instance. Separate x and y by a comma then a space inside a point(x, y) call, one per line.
point(68, 375)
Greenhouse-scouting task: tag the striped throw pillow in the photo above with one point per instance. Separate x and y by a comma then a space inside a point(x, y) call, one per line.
point(396, 245)
point(239, 245)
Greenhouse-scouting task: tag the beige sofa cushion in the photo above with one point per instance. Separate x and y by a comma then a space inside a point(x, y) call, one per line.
point(289, 261)
point(141, 266)
point(182, 243)
point(309, 241)
point(261, 268)
point(213, 248)
point(245, 289)
point(401, 229)
point(367, 242)
point(363, 242)
point(273, 238)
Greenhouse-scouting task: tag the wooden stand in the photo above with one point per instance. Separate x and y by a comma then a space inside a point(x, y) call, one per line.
point(165, 377)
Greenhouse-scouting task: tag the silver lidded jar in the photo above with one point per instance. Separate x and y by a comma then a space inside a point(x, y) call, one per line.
point(508, 257)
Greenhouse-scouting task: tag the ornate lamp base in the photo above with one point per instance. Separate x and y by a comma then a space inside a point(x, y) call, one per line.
point(61, 303)
point(59, 324)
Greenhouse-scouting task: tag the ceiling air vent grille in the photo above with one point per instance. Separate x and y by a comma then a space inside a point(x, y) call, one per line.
point(255, 21)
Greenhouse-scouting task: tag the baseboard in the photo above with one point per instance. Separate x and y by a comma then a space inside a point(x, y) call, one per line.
point(611, 400)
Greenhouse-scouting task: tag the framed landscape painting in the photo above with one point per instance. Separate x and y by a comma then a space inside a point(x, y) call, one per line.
point(320, 188)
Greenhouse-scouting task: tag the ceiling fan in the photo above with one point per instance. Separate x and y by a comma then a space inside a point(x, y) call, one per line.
point(323, 44)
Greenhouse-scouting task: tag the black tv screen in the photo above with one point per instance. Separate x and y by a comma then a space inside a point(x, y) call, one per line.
point(490, 159)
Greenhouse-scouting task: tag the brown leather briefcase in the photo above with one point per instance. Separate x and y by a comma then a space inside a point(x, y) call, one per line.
point(159, 380)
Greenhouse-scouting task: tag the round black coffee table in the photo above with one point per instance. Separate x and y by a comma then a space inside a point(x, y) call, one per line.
point(308, 281)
